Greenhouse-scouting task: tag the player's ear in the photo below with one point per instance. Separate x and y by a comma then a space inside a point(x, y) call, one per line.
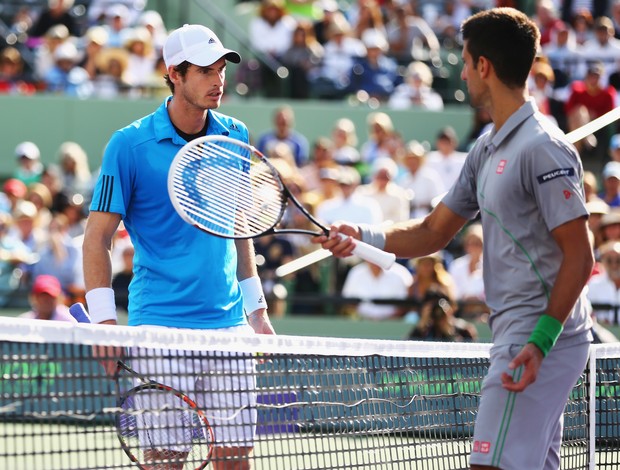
point(484, 66)
point(173, 74)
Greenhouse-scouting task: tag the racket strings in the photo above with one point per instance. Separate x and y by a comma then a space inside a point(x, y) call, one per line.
point(229, 190)
point(243, 205)
point(262, 189)
point(158, 427)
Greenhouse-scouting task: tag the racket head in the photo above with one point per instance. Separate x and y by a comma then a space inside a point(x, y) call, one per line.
point(226, 188)
point(158, 425)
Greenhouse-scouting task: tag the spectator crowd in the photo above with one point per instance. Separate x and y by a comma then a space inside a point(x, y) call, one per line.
point(382, 50)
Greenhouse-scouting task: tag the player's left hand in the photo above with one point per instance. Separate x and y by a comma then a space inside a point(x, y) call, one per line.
point(260, 323)
point(530, 357)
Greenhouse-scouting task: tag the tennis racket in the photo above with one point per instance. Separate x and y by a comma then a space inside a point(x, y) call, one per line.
point(229, 189)
point(157, 426)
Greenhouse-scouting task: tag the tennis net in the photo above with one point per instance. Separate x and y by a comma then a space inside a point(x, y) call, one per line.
point(312, 403)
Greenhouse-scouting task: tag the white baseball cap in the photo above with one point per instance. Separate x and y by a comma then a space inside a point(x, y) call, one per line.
point(196, 44)
point(66, 51)
point(611, 170)
point(28, 150)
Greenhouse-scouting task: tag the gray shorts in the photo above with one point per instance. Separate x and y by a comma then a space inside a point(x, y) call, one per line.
point(524, 430)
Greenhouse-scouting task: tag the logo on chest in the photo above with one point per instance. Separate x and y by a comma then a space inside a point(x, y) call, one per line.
point(500, 167)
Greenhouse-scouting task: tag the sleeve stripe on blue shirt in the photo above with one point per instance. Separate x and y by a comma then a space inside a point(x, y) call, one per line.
point(105, 198)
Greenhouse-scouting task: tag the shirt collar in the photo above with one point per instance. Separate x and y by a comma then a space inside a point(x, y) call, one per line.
point(165, 130)
point(526, 110)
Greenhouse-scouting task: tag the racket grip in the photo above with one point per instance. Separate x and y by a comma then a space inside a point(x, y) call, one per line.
point(374, 255)
point(78, 311)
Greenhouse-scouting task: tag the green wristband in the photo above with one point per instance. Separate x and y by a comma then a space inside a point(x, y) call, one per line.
point(546, 333)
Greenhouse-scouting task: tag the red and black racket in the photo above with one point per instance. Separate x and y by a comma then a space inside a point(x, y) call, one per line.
point(157, 425)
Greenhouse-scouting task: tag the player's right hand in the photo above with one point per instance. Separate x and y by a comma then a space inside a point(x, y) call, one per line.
point(341, 239)
point(260, 323)
point(530, 358)
point(108, 356)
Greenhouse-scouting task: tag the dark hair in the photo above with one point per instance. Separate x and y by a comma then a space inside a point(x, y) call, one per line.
point(505, 37)
point(181, 69)
point(434, 294)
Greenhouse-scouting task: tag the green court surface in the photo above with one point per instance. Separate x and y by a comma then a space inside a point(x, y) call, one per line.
point(60, 447)
point(81, 447)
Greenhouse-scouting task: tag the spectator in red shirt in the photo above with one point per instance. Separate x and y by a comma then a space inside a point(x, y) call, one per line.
point(547, 19)
point(589, 100)
point(13, 79)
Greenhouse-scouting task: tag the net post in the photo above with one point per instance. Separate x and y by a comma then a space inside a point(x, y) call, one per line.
point(592, 406)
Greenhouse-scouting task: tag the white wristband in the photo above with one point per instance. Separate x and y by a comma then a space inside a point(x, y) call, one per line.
point(101, 304)
point(253, 296)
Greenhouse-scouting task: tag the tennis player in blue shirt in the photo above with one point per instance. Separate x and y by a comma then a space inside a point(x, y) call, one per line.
point(525, 181)
point(183, 277)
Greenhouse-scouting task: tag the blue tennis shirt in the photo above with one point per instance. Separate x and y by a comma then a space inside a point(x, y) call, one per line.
point(183, 277)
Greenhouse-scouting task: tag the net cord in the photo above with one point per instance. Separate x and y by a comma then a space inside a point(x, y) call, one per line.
point(43, 331)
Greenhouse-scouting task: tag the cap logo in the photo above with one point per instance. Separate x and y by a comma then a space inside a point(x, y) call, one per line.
point(211, 41)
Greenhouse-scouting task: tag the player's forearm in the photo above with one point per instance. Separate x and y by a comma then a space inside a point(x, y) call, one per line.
point(246, 261)
point(98, 281)
point(575, 269)
point(410, 239)
point(421, 237)
point(97, 248)
point(97, 263)
point(572, 277)
point(97, 270)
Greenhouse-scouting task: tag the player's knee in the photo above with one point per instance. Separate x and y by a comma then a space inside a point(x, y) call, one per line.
point(232, 458)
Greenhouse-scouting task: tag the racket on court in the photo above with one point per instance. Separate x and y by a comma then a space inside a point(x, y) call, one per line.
point(229, 189)
point(157, 426)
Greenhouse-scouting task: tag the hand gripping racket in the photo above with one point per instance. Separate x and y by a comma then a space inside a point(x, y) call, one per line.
point(157, 426)
point(229, 189)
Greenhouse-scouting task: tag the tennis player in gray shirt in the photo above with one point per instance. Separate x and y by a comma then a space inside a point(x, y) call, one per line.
point(524, 179)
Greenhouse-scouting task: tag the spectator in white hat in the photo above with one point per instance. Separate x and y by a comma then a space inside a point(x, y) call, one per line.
point(44, 51)
point(375, 75)
point(100, 10)
point(117, 24)
point(29, 166)
point(154, 23)
point(94, 43)
point(611, 184)
point(141, 64)
point(416, 91)
point(423, 183)
point(393, 199)
point(66, 76)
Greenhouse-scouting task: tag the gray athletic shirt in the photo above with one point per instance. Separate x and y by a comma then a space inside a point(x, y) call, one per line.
point(524, 180)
